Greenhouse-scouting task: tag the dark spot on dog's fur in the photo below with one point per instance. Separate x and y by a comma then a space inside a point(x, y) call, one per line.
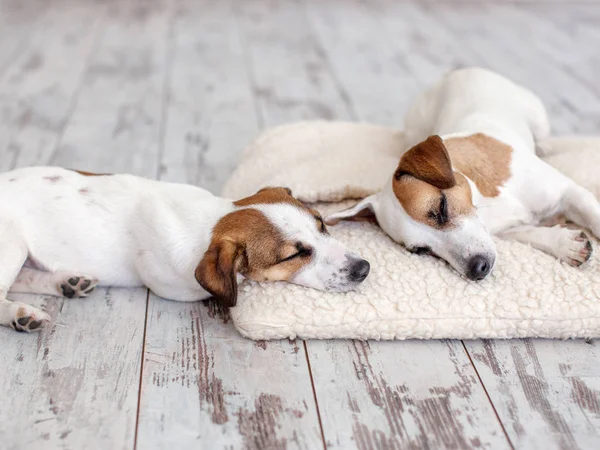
point(73, 281)
point(85, 285)
point(23, 321)
point(53, 179)
point(84, 191)
point(12, 179)
point(67, 290)
point(35, 324)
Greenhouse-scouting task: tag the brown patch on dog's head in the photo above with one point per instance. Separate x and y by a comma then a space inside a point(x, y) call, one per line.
point(428, 189)
point(438, 208)
point(90, 174)
point(269, 195)
point(246, 242)
point(483, 159)
point(272, 195)
point(428, 161)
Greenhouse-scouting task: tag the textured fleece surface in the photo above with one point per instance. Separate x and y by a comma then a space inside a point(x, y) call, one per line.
point(529, 294)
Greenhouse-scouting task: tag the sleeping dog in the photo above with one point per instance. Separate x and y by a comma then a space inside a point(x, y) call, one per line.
point(63, 231)
point(471, 171)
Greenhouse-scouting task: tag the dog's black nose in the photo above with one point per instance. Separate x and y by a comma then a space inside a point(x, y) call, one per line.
point(479, 267)
point(359, 270)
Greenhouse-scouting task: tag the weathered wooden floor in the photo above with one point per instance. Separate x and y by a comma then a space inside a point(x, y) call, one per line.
point(174, 89)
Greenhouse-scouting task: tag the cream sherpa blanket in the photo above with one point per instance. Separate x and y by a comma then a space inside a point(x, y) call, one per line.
point(529, 294)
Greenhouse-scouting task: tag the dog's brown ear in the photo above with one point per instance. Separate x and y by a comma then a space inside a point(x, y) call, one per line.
point(217, 272)
point(428, 161)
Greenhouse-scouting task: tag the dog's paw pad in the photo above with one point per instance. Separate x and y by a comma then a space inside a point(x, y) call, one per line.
point(77, 286)
point(579, 249)
point(28, 318)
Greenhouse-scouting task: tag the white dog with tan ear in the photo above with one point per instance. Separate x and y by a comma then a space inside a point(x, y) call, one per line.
point(471, 171)
point(61, 231)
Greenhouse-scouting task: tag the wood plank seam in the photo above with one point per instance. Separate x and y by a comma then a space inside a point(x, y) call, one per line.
point(137, 413)
point(312, 383)
point(169, 52)
point(488, 396)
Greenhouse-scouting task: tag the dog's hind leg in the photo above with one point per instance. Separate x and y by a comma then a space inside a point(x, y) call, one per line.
point(581, 206)
point(13, 253)
point(62, 284)
point(571, 246)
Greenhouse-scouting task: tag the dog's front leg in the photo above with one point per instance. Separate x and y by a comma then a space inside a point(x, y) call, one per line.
point(572, 246)
point(13, 253)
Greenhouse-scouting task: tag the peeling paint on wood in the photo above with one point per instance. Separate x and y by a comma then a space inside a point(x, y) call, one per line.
point(65, 386)
point(219, 387)
point(379, 396)
point(545, 392)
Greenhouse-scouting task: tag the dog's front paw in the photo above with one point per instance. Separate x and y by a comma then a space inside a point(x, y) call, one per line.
point(576, 248)
point(27, 318)
point(76, 286)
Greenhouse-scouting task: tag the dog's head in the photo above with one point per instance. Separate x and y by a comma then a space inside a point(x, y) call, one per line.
point(271, 236)
point(429, 208)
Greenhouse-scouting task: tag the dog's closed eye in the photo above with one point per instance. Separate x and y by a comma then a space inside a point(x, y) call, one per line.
point(441, 214)
point(301, 251)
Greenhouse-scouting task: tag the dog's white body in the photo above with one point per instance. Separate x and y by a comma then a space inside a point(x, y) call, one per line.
point(474, 101)
point(120, 229)
point(61, 232)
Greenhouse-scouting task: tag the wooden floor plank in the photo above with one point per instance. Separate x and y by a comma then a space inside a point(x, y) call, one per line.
point(519, 59)
point(203, 384)
point(18, 21)
point(547, 393)
point(38, 88)
point(211, 116)
point(118, 112)
point(76, 385)
point(375, 75)
point(291, 77)
point(399, 395)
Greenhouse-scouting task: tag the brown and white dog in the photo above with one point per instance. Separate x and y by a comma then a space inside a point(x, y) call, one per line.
point(61, 231)
point(471, 171)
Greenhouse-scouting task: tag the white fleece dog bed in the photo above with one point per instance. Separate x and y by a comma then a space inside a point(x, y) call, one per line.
point(529, 294)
